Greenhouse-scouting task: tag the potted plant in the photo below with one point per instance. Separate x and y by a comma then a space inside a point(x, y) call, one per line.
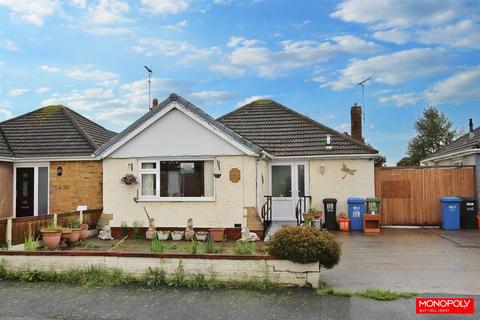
point(129, 179)
point(84, 231)
point(51, 235)
point(65, 237)
point(217, 234)
point(163, 235)
point(201, 235)
point(177, 235)
point(76, 227)
point(343, 222)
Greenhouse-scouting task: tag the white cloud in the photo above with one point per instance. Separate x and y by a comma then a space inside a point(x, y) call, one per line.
point(394, 35)
point(120, 116)
point(301, 24)
point(163, 7)
point(43, 89)
point(188, 52)
point(344, 127)
point(211, 97)
point(87, 99)
point(107, 31)
point(251, 99)
point(400, 99)
point(108, 12)
point(250, 54)
point(400, 14)
point(228, 70)
point(460, 87)
point(177, 26)
point(392, 68)
point(31, 11)
point(48, 68)
point(17, 92)
point(9, 45)
point(5, 112)
point(465, 33)
point(79, 3)
point(86, 73)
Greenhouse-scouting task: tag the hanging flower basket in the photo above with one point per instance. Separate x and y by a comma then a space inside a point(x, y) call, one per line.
point(129, 179)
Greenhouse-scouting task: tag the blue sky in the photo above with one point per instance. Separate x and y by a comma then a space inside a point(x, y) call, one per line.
point(308, 55)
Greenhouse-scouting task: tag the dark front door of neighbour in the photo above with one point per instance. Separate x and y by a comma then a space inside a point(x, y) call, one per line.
point(25, 192)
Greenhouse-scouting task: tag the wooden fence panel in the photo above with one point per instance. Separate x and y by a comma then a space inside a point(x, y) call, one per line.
point(410, 196)
point(3, 233)
point(22, 227)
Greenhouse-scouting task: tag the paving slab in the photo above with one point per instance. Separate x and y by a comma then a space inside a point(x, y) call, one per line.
point(418, 260)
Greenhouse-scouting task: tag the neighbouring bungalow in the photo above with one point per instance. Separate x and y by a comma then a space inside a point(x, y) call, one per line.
point(47, 162)
point(222, 172)
point(464, 151)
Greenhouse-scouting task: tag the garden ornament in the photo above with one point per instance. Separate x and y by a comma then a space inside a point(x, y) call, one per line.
point(248, 236)
point(189, 232)
point(347, 170)
point(106, 233)
point(152, 229)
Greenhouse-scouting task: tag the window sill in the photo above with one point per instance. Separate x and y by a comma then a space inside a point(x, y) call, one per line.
point(177, 199)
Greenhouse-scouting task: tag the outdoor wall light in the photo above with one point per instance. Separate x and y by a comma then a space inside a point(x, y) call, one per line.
point(59, 171)
point(322, 169)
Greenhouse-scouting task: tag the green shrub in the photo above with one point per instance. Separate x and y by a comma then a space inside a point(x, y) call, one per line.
point(155, 277)
point(192, 248)
point(306, 245)
point(210, 247)
point(244, 247)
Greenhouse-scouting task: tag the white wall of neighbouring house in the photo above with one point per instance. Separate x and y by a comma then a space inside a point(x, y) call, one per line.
point(225, 210)
point(175, 134)
point(468, 160)
point(334, 184)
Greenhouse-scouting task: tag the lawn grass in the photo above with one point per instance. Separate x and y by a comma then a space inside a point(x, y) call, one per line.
point(375, 294)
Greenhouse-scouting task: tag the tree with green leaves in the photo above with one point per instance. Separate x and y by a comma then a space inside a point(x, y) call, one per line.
point(434, 131)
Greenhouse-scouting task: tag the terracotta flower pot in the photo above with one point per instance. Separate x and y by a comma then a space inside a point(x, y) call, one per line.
point(344, 224)
point(51, 239)
point(478, 221)
point(318, 214)
point(84, 231)
point(75, 235)
point(217, 234)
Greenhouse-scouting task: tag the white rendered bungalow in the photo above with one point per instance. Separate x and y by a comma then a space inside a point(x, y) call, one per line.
point(223, 172)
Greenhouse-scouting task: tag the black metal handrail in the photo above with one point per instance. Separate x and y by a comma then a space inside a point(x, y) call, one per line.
point(301, 207)
point(267, 214)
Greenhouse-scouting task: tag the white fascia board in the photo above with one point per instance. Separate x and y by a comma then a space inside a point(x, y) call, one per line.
point(451, 155)
point(48, 159)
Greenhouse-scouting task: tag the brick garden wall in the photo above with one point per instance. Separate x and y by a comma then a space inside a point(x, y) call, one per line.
point(80, 184)
point(6, 189)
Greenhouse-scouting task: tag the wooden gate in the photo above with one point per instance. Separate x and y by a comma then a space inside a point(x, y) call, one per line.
point(410, 195)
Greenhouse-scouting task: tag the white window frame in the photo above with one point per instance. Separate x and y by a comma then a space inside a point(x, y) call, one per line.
point(156, 172)
point(35, 167)
point(157, 197)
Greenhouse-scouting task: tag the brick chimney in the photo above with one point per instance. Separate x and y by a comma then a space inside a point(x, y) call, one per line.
point(356, 122)
point(470, 129)
point(154, 102)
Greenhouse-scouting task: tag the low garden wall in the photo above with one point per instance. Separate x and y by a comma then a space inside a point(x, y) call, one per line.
point(221, 266)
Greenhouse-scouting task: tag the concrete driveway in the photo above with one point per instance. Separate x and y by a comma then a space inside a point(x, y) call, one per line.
point(419, 260)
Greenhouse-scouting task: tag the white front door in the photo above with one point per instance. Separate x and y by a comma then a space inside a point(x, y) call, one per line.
point(289, 181)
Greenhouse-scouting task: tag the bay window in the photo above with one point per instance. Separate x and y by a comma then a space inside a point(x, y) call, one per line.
point(176, 180)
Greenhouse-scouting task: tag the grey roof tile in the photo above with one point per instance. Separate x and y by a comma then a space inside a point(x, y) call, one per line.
point(53, 131)
point(463, 143)
point(283, 132)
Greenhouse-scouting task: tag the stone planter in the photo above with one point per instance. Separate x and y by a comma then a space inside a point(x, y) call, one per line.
point(51, 239)
point(201, 235)
point(177, 235)
point(163, 235)
point(217, 234)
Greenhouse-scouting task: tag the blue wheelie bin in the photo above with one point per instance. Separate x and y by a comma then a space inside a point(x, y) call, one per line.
point(450, 207)
point(356, 210)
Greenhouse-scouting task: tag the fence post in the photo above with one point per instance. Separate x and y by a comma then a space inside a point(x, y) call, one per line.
point(80, 216)
point(8, 238)
point(55, 219)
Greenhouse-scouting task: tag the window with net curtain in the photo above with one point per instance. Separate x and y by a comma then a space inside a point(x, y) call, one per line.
point(180, 179)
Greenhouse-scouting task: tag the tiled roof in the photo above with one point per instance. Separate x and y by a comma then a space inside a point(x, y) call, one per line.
point(53, 131)
point(463, 143)
point(4, 149)
point(192, 108)
point(283, 132)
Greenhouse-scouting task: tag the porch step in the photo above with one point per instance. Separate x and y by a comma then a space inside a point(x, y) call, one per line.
point(253, 220)
point(276, 225)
